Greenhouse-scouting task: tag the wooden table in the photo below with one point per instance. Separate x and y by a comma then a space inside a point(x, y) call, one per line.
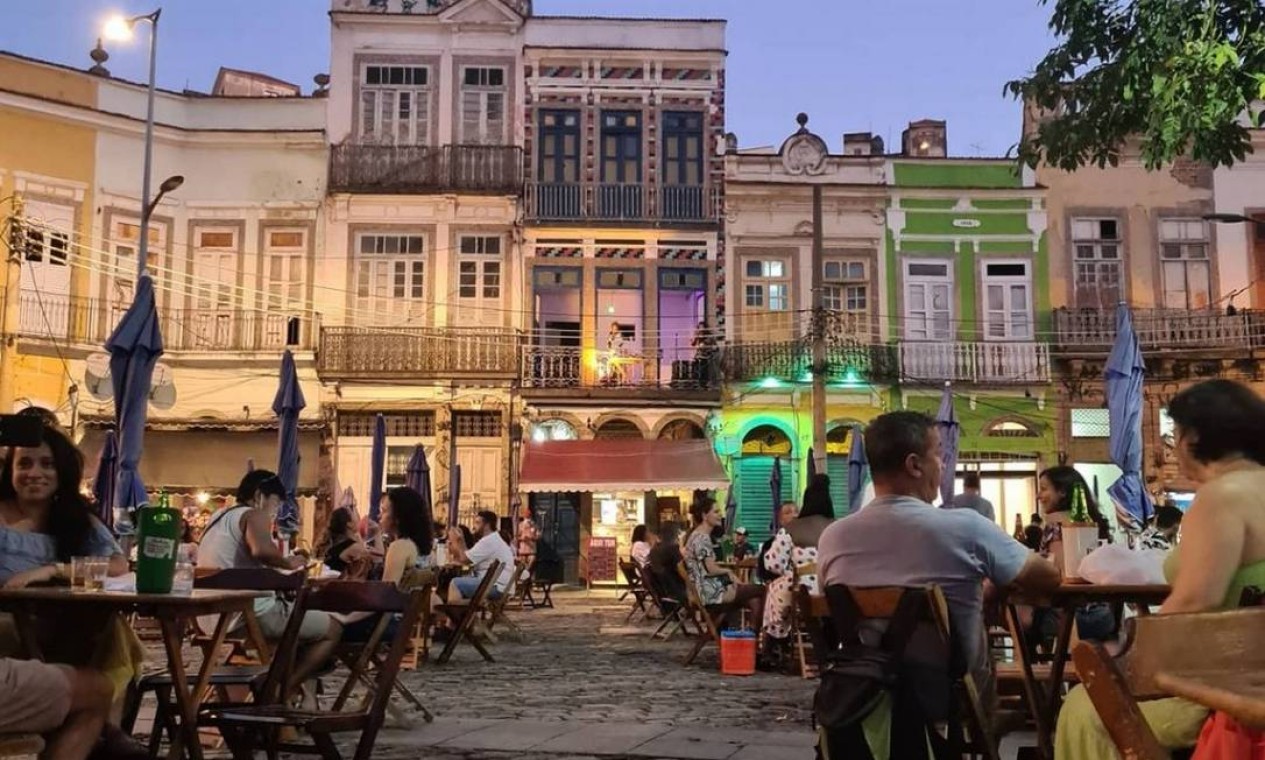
point(742, 568)
point(172, 612)
point(1045, 700)
point(1239, 694)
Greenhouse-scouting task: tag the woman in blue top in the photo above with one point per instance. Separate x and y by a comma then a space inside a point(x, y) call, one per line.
point(44, 519)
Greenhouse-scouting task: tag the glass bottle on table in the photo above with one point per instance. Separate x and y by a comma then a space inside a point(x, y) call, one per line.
point(158, 537)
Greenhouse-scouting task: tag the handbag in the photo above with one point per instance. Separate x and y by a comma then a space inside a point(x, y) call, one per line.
point(1222, 738)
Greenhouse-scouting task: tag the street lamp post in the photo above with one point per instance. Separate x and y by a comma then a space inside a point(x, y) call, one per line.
point(121, 28)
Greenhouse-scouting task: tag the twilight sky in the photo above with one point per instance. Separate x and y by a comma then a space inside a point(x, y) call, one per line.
point(853, 65)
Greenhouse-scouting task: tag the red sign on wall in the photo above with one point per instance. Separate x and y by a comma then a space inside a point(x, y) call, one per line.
point(603, 559)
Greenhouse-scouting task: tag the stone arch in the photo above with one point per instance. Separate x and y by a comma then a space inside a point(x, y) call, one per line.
point(839, 436)
point(1011, 426)
point(673, 420)
point(569, 420)
point(622, 422)
point(770, 439)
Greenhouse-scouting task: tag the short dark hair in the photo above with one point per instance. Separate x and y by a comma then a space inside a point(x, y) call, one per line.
point(1226, 417)
point(1167, 517)
point(489, 518)
point(259, 481)
point(971, 480)
point(639, 533)
point(892, 437)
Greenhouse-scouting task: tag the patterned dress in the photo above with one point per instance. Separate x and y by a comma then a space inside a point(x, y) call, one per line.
point(782, 558)
point(698, 550)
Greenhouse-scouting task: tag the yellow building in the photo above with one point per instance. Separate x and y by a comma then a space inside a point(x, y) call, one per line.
point(47, 165)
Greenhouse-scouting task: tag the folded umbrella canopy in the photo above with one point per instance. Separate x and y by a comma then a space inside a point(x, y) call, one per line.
point(775, 489)
point(1123, 376)
point(812, 466)
point(103, 483)
point(950, 433)
point(377, 466)
point(858, 469)
point(134, 348)
point(731, 509)
point(454, 495)
point(287, 405)
point(417, 477)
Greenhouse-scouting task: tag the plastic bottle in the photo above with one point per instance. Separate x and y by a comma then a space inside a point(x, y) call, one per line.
point(158, 537)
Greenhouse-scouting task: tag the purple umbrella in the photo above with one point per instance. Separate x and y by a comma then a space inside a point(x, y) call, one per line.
point(1123, 376)
point(103, 483)
point(287, 405)
point(950, 433)
point(454, 494)
point(417, 477)
point(377, 464)
point(775, 487)
point(134, 348)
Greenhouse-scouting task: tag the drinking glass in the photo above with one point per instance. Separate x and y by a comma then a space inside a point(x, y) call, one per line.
point(96, 570)
point(79, 572)
point(182, 581)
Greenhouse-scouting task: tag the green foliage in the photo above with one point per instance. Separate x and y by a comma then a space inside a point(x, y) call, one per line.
point(1174, 75)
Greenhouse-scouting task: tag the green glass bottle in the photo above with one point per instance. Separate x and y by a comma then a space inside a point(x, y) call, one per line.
point(157, 538)
point(1080, 512)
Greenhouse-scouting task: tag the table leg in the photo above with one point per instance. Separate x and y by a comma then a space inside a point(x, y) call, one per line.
point(1031, 689)
point(1054, 691)
point(255, 635)
point(187, 700)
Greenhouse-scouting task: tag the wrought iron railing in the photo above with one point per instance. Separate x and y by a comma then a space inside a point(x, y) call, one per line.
point(636, 202)
point(984, 362)
point(1094, 330)
point(414, 169)
point(414, 352)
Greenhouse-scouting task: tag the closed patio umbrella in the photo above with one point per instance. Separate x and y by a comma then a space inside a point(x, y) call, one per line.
point(950, 433)
point(377, 467)
point(454, 495)
point(775, 490)
point(134, 348)
point(858, 469)
point(812, 466)
point(103, 483)
point(1123, 376)
point(287, 405)
point(417, 477)
point(731, 509)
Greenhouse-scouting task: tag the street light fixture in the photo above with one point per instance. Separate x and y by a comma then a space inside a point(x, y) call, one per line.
point(121, 28)
point(171, 184)
point(1230, 219)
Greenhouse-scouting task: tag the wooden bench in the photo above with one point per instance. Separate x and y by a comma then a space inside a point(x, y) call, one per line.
point(1192, 645)
point(21, 746)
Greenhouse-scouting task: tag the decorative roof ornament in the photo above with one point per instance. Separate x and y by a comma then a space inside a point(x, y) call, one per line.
point(99, 57)
point(804, 153)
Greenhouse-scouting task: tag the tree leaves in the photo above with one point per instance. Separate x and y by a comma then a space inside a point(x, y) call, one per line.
point(1168, 78)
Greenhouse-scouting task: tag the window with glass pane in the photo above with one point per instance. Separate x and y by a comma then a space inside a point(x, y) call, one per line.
point(394, 105)
point(767, 285)
point(123, 244)
point(845, 286)
point(621, 147)
point(928, 301)
point(285, 251)
point(682, 148)
point(483, 95)
point(390, 275)
point(1007, 301)
point(559, 146)
point(1096, 261)
point(214, 268)
point(1185, 267)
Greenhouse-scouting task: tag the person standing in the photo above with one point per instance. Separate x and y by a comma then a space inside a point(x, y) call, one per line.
point(526, 540)
point(970, 498)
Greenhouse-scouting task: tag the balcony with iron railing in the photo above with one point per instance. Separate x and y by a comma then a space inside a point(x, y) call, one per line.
point(776, 362)
point(980, 362)
point(621, 202)
point(1172, 331)
point(419, 169)
point(560, 367)
point(414, 353)
point(87, 323)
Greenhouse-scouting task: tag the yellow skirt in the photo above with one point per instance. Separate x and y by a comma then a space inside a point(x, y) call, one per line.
point(1082, 736)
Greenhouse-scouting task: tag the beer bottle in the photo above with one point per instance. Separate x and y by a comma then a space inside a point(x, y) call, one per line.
point(158, 537)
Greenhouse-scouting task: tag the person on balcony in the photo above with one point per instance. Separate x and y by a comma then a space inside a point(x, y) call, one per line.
point(704, 345)
point(615, 374)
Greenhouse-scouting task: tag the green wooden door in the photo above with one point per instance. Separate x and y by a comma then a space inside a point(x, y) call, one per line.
point(755, 497)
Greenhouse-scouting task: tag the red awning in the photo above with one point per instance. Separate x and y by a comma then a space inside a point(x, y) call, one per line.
point(620, 465)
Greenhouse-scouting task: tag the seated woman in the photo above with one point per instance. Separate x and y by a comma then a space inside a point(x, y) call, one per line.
point(410, 558)
point(714, 584)
point(640, 554)
point(1055, 489)
point(1219, 446)
point(794, 547)
point(346, 550)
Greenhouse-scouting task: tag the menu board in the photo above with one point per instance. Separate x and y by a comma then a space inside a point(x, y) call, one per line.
point(603, 559)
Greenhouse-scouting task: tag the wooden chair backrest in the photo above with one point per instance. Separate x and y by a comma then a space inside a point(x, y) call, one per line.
point(631, 576)
point(1227, 640)
point(480, 597)
point(696, 603)
point(803, 571)
point(651, 584)
point(252, 578)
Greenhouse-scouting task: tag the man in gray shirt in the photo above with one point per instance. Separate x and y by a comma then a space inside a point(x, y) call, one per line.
point(970, 498)
point(899, 539)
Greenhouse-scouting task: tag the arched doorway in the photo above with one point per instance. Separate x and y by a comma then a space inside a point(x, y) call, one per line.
point(763, 448)
point(555, 429)
point(618, 427)
point(682, 430)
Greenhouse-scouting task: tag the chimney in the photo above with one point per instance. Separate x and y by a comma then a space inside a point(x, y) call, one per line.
point(925, 139)
point(858, 144)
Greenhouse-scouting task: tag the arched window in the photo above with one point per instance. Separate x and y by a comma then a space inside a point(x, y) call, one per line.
point(1010, 428)
point(553, 430)
point(618, 428)
point(766, 439)
point(681, 430)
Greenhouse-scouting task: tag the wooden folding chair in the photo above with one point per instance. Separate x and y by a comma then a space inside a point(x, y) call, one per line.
point(226, 676)
point(636, 588)
point(799, 635)
point(672, 614)
point(880, 604)
point(250, 727)
point(1225, 642)
point(495, 614)
point(464, 616)
point(521, 598)
point(708, 617)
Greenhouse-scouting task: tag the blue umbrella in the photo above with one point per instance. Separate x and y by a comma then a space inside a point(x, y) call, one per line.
point(731, 510)
point(107, 474)
point(377, 464)
point(858, 469)
point(287, 405)
point(950, 432)
point(454, 494)
point(134, 348)
point(417, 477)
point(775, 487)
point(1123, 378)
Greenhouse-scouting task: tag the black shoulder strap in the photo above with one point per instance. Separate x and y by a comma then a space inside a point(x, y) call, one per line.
point(901, 626)
point(221, 517)
point(844, 614)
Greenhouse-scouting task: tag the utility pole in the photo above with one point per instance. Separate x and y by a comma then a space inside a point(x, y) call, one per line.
point(819, 339)
point(14, 248)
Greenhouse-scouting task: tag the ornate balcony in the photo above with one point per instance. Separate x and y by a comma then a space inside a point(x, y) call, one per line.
point(420, 169)
point(620, 202)
point(417, 353)
point(791, 361)
point(1170, 331)
point(564, 367)
point(986, 362)
point(88, 322)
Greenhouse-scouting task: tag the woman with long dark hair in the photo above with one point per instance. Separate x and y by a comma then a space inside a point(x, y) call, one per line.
point(346, 549)
point(1220, 447)
point(44, 519)
point(1055, 490)
point(714, 583)
point(408, 522)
